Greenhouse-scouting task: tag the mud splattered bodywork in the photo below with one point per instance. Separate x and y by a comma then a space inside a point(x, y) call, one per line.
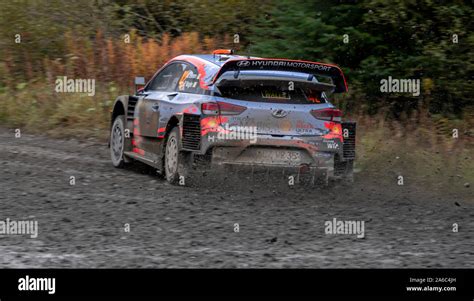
point(236, 110)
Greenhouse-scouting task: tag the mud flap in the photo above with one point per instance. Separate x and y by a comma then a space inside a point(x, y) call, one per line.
point(343, 170)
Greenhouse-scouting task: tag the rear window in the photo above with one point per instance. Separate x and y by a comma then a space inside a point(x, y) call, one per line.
point(274, 93)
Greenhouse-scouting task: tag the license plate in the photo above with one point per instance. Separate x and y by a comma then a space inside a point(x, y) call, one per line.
point(285, 156)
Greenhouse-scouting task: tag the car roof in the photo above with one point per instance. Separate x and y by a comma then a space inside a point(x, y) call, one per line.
point(218, 59)
point(211, 66)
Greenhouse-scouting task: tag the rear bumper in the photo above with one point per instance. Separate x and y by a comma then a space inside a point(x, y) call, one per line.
point(250, 148)
point(270, 151)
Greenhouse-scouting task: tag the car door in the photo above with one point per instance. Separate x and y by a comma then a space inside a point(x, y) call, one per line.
point(160, 88)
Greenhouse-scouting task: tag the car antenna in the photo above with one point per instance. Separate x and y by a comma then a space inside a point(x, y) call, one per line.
point(236, 74)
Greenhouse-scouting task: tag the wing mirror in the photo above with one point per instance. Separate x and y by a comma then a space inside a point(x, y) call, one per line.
point(139, 84)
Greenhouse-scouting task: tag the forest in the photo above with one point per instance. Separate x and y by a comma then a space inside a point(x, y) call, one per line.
point(114, 41)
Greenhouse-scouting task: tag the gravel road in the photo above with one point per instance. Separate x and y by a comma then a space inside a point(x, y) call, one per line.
point(83, 225)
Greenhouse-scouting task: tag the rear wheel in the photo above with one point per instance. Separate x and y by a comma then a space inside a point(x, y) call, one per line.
point(176, 162)
point(117, 142)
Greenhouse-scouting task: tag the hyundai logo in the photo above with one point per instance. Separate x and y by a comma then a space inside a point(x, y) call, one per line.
point(279, 113)
point(243, 63)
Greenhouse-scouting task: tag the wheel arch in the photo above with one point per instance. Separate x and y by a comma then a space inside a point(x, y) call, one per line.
point(175, 120)
point(119, 108)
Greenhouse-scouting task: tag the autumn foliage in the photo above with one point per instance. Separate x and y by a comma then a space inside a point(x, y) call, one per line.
point(108, 59)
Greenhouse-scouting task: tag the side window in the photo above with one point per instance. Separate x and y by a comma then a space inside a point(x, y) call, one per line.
point(168, 78)
point(189, 81)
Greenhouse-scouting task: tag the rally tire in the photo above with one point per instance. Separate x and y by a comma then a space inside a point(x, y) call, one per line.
point(117, 142)
point(175, 161)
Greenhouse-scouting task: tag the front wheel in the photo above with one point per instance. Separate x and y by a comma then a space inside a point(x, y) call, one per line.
point(117, 142)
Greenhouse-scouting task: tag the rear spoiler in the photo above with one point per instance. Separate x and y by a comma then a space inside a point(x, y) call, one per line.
point(332, 71)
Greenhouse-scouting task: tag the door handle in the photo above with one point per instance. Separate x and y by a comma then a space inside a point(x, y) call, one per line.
point(172, 95)
point(155, 107)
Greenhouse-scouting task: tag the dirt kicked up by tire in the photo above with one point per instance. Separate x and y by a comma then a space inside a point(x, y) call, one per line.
point(230, 224)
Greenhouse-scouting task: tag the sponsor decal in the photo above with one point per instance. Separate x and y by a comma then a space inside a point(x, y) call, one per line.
point(190, 109)
point(182, 80)
point(331, 144)
point(275, 94)
point(285, 125)
point(243, 63)
point(188, 80)
point(212, 124)
point(161, 132)
point(304, 127)
point(283, 64)
point(138, 151)
point(300, 124)
point(205, 70)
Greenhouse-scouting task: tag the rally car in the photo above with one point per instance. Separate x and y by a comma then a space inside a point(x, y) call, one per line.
point(231, 110)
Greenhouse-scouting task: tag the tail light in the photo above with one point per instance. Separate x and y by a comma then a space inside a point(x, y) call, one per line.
point(326, 114)
point(222, 108)
point(230, 109)
point(210, 108)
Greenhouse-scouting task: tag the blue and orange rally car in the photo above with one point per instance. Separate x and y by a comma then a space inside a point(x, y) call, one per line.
point(231, 110)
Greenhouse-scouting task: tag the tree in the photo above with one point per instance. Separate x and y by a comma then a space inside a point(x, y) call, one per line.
point(402, 39)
